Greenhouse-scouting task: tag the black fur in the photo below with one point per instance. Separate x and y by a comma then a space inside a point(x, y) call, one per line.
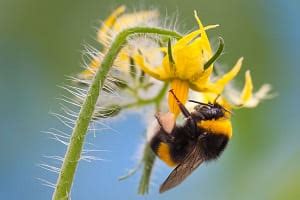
point(213, 145)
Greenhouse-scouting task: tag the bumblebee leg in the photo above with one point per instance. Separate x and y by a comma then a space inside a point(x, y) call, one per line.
point(158, 120)
point(183, 109)
point(187, 114)
point(192, 131)
point(197, 116)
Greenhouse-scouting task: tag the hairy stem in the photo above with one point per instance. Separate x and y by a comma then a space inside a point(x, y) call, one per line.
point(148, 161)
point(143, 102)
point(72, 156)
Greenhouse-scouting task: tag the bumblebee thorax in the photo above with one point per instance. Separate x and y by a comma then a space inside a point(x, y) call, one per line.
point(217, 126)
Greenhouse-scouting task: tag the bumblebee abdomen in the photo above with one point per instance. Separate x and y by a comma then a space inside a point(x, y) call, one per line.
point(165, 154)
point(163, 151)
point(172, 153)
point(213, 145)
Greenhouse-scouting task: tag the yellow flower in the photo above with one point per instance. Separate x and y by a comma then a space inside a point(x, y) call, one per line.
point(232, 99)
point(185, 66)
point(247, 98)
point(119, 20)
point(111, 27)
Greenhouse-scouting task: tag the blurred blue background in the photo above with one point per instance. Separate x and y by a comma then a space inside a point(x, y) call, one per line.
point(41, 42)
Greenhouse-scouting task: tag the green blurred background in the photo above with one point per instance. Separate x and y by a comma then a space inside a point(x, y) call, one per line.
point(41, 43)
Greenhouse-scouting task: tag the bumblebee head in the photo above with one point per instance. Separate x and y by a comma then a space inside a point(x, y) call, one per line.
point(210, 110)
point(210, 117)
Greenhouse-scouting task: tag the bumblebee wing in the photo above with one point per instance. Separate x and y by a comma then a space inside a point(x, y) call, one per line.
point(184, 169)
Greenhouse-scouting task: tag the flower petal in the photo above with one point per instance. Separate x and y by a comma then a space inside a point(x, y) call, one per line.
point(189, 60)
point(219, 85)
point(203, 33)
point(186, 39)
point(156, 72)
point(119, 21)
point(202, 80)
point(122, 62)
point(247, 98)
point(190, 54)
point(91, 70)
point(262, 94)
point(181, 89)
point(247, 90)
point(103, 35)
point(140, 18)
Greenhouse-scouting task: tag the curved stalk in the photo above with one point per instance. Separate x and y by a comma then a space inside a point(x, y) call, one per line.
point(73, 153)
point(148, 159)
point(154, 100)
point(148, 162)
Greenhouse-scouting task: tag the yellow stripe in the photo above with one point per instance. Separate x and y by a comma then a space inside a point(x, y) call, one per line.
point(220, 126)
point(163, 153)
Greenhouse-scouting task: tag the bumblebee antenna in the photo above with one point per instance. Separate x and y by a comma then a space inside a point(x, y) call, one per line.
point(215, 102)
point(217, 97)
point(201, 103)
point(183, 109)
point(227, 110)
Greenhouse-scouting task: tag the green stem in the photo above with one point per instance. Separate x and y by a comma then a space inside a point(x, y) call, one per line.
point(73, 153)
point(148, 155)
point(154, 100)
point(148, 161)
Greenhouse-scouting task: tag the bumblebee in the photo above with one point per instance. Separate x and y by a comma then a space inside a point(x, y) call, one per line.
point(202, 137)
